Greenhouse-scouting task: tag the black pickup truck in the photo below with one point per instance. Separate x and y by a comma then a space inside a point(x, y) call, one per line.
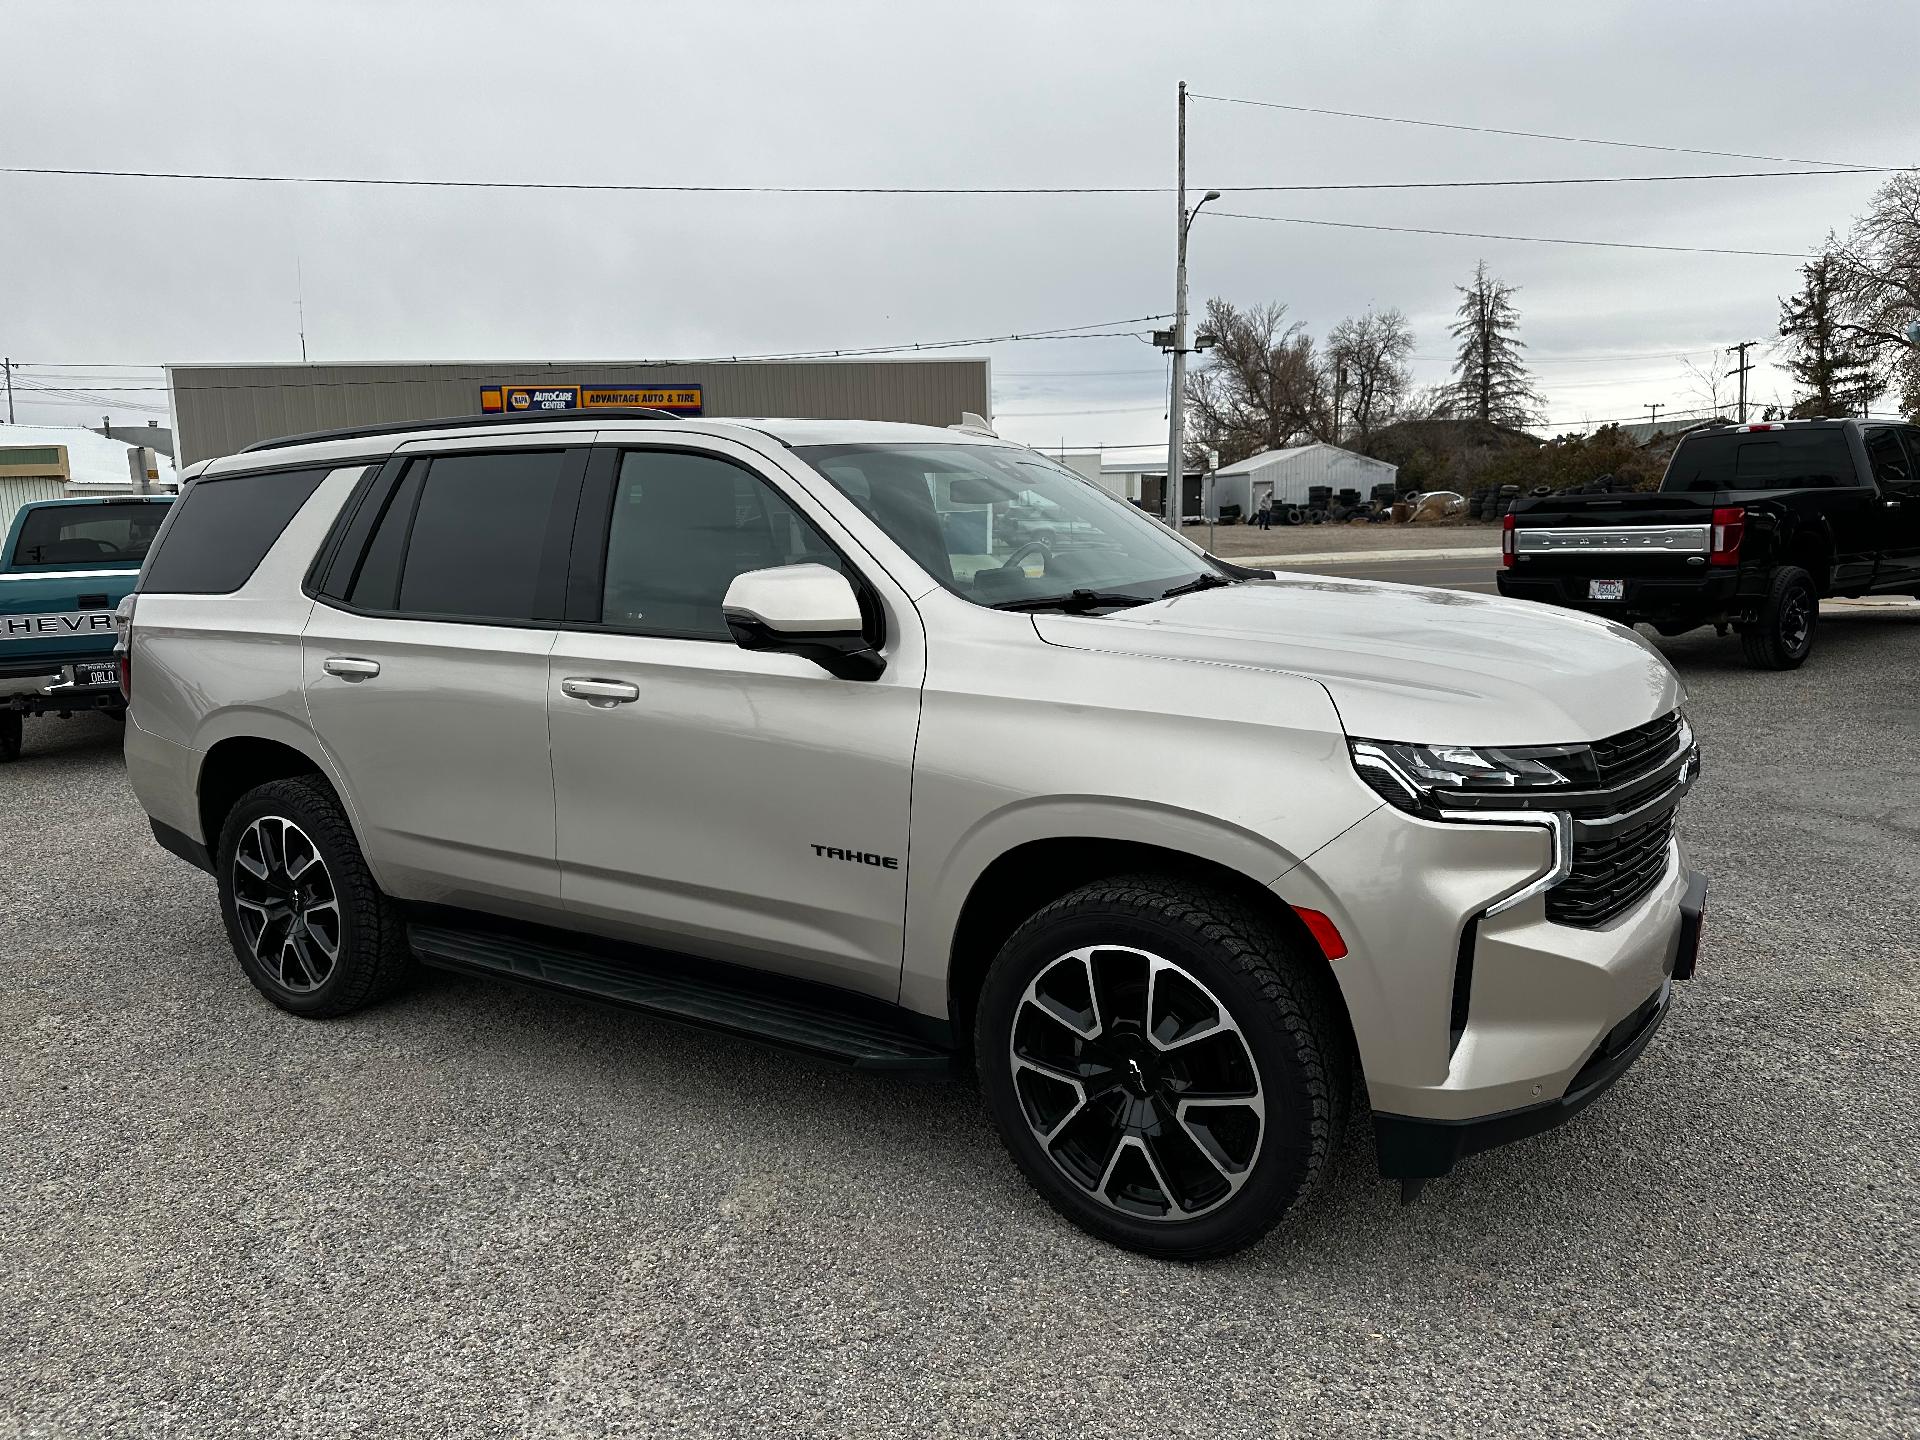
point(1751, 527)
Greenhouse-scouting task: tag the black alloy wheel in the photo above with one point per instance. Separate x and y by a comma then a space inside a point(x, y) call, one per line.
point(1781, 637)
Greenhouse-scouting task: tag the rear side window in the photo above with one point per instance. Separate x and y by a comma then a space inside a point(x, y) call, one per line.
point(1762, 460)
point(222, 528)
point(463, 538)
point(77, 535)
point(1888, 461)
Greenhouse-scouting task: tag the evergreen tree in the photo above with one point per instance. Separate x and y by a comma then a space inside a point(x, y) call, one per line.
point(1491, 382)
point(1836, 370)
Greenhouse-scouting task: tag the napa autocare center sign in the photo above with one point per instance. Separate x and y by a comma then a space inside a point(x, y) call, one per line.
point(680, 399)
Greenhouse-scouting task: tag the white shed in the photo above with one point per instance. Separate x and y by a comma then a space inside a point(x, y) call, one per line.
point(1289, 474)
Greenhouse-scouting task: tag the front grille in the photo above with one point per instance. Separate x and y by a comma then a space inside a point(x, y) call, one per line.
point(1623, 757)
point(1611, 876)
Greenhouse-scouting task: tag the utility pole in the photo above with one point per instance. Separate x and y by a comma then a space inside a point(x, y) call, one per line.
point(7, 364)
point(300, 301)
point(1741, 370)
point(1177, 337)
point(1653, 414)
point(1177, 404)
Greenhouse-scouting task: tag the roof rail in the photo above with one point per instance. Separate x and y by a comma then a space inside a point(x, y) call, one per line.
point(465, 422)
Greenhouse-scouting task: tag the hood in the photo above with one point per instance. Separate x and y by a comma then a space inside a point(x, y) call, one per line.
point(1404, 662)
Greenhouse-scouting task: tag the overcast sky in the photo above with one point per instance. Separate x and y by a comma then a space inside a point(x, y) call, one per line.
point(103, 273)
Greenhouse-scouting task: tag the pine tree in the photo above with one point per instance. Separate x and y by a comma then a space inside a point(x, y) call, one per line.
point(1835, 369)
point(1491, 382)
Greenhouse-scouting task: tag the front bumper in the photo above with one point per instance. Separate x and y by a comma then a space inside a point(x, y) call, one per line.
point(1463, 1016)
point(1410, 1147)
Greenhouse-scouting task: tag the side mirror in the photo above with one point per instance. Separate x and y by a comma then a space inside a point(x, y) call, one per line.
point(806, 610)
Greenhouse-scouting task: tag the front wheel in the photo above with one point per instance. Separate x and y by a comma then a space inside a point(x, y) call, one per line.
point(311, 929)
point(1782, 637)
point(1163, 1065)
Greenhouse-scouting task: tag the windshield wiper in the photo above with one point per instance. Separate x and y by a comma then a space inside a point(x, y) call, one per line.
point(1077, 600)
point(1203, 581)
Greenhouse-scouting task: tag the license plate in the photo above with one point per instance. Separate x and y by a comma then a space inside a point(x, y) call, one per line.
point(1606, 589)
point(101, 674)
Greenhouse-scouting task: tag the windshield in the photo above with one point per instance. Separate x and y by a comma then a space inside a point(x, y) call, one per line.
point(1761, 460)
point(88, 534)
point(1008, 527)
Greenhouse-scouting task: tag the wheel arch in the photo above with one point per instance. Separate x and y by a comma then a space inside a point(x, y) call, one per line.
point(1030, 875)
point(237, 763)
point(1805, 541)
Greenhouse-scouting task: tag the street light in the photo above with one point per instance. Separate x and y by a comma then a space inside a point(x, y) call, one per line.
point(1176, 405)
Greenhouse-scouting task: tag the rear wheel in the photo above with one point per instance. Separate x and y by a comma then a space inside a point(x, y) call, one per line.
point(12, 726)
point(1782, 637)
point(1163, 1065)
point(310, 928)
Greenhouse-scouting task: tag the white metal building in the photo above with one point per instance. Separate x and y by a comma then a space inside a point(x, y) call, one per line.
point(1289, 474)
point(48, 462)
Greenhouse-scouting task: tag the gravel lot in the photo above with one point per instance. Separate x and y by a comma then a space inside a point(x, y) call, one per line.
point(479, 1211)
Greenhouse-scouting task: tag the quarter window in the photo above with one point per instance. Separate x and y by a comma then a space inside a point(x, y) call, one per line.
point(683, 526)
point(222, 528)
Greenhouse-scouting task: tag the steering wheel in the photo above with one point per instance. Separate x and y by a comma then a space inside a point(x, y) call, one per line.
point(1012, 562)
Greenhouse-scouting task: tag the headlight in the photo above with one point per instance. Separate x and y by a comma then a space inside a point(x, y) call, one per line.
point(1420, 779)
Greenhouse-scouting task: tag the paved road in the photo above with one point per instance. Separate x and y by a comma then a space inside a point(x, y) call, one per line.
point(1475, 575)
point(481, 1212)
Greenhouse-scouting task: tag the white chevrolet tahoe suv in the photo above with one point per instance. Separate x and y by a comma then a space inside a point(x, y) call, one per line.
point(909, 749)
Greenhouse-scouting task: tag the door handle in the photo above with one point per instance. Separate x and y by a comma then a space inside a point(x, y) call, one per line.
point(604, 694)
point(348, 667)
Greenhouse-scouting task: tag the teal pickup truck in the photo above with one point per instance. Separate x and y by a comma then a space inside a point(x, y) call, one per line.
point(67, 565)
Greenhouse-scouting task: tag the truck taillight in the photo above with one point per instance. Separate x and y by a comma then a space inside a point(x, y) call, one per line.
point(123, 646)
point(1729, 527)
point(1506, 541)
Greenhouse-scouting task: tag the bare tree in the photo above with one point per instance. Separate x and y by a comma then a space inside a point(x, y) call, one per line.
point(1369, 359)
point(1263, 388)
point(1490, 378)
point(1707, 384)
point(1877, 276)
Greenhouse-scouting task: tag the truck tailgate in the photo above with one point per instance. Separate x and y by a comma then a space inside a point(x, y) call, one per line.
point(50, 619)
point(1614, 535)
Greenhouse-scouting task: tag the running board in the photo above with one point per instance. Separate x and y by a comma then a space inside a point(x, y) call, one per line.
point(715, 997)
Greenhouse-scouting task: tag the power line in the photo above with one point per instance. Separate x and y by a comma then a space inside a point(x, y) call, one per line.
point(83, 366)
point(1837, 166)
point(1528, 239)
point(1591, 359)
point(405, 182)
point(1157, 403)
point(1094, 330)
point(1137, 370)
